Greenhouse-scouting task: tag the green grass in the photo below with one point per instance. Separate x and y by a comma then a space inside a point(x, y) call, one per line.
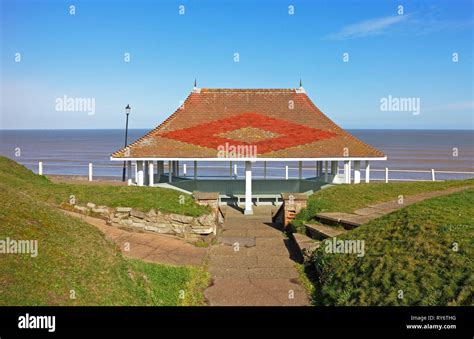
point(411, 250)
point(347, 198)
point(75, 256)
point(140, 198)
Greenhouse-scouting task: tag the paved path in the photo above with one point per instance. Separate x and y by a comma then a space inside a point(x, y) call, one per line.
point(364, 215)
point(150, 247)
point(258, 272)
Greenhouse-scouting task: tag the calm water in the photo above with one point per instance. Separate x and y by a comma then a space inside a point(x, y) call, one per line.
point(69, 152)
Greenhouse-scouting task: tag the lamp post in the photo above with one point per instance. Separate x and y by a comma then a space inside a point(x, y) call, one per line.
point(127, 112)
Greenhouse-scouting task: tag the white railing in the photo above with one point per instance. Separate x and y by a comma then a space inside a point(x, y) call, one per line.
point(184, 170)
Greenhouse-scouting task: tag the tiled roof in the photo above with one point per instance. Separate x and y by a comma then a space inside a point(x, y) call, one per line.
point(283, 123)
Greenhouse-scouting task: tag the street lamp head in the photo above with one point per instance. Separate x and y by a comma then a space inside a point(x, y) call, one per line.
point(127, 109)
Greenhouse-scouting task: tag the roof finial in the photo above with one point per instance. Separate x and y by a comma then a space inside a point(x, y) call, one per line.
point(300, 89)
point(195, 88)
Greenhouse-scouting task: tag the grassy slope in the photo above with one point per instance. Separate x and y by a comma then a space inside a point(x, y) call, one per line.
point(73, 255)
point(409, 250)
point(347, 198)
point(142, 198)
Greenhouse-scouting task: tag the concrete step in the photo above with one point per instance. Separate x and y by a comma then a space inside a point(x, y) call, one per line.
point(322, 231)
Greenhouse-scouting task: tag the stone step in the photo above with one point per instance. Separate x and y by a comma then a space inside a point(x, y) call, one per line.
point(305, 244)
point(347, 220)
point(322, 231)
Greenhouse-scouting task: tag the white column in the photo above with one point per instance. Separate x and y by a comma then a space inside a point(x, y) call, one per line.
point(300, 170)
point(170, 171)
point(140, 171)
point(145, 173)
point(40, 168)
point(195, 169)
point(235, 171)
point(129, 173)
point(386, 174)
point(433, 178)
point(347, 172)
point(90, 171)
point(326, 171)
point(136, 172)
point(357, 172)
point(264, 170)
point(286, 172)
point(367, 171)
point(151, 174)
point(184, 170)
point(248, 188)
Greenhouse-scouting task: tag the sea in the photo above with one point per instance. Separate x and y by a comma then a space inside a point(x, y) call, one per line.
point(411, 154)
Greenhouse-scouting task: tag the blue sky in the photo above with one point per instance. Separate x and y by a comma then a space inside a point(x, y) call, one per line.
point(82, 56)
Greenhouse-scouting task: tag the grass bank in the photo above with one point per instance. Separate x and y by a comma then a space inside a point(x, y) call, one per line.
point(419, 255)
point(76, 265)
point(347, 198)
point(140, 198)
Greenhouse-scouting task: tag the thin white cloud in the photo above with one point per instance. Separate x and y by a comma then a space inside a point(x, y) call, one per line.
point(367, 28)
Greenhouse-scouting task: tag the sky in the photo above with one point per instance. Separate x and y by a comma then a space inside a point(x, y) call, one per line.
point(352, 56)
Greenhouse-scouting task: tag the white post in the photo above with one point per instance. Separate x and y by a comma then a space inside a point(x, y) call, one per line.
point(300, 170)
point(326, 171)
point(140, 177)
point(433, 178)
point(145, 173)
point(151, 174)
point(184, 170)
point(129, 173)
point(286, 172)
point(136, 172)
point(195, 169)
point(40, 168)
point(347, 172)
point(265, 170)
point(235, 171)
point(170, 171)
point(248, 188)
point(90, 171)
point(386, 174)
point(367, 171)
point(357, 172)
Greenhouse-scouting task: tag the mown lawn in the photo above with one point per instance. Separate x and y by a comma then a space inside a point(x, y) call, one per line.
point(419, 255)
point(15, 175)
point(347, 198)
point(75, 260)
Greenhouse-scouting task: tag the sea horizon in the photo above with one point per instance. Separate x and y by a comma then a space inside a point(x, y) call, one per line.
point(69, 151)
